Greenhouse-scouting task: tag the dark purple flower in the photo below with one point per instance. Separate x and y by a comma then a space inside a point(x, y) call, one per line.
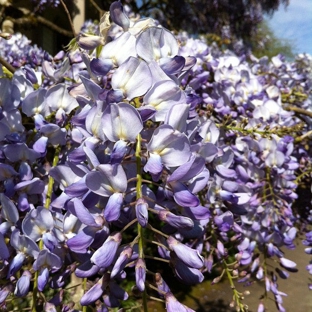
point(185, 274)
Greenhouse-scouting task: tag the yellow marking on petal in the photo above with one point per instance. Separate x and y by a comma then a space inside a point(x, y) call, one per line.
point(64, 182)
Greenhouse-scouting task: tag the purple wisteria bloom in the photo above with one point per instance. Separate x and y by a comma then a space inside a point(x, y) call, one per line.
point(105, 255)
point(141, 211)
point(46, 262)
point(24, 247)
point(23, 284)
point(94, 293)
point(138, 148)
point(172, 304)
point(187, 255)
point(167, 147)
point(140, 274)
point(122, 261)
point(109, 181)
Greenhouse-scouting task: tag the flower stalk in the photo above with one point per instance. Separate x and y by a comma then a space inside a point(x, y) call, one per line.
point(139, 195)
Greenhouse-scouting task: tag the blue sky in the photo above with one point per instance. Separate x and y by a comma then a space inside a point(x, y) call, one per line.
point(295, 24)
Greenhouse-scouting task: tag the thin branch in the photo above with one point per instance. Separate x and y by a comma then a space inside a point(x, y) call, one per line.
point(298, 110)
point(96, 6)
point(54, 27)
point(69, 18)
point(7, 65)
point(2, 13)
point(304, 136)
point(41, 20)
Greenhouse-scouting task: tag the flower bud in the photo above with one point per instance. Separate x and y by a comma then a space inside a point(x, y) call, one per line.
point(261, 307)
point(174, 220)
point(287, 263)
point(122, 260)
point(209, 262)
point(161, 284)
point(140, 274)
point(49, 307)
point(220, 248)
point(89, 42)
point(141, 211)
point(216, 280)
point(22, 285)
point(4, 292)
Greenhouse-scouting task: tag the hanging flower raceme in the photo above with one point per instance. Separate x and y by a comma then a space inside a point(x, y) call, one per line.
point(141, 149)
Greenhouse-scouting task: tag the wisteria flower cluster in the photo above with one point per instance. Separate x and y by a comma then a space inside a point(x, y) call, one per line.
point(31, 57)
point(45, 3)
point(141, 152)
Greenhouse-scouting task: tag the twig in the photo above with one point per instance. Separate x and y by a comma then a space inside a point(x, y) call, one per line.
point(298, 110)
point(7, 65)
point(304, 136)
point(69, 18)
point(39, 19)
point(96, 6)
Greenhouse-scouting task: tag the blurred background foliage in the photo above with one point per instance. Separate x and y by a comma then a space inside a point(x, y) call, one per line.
point(225, 22)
